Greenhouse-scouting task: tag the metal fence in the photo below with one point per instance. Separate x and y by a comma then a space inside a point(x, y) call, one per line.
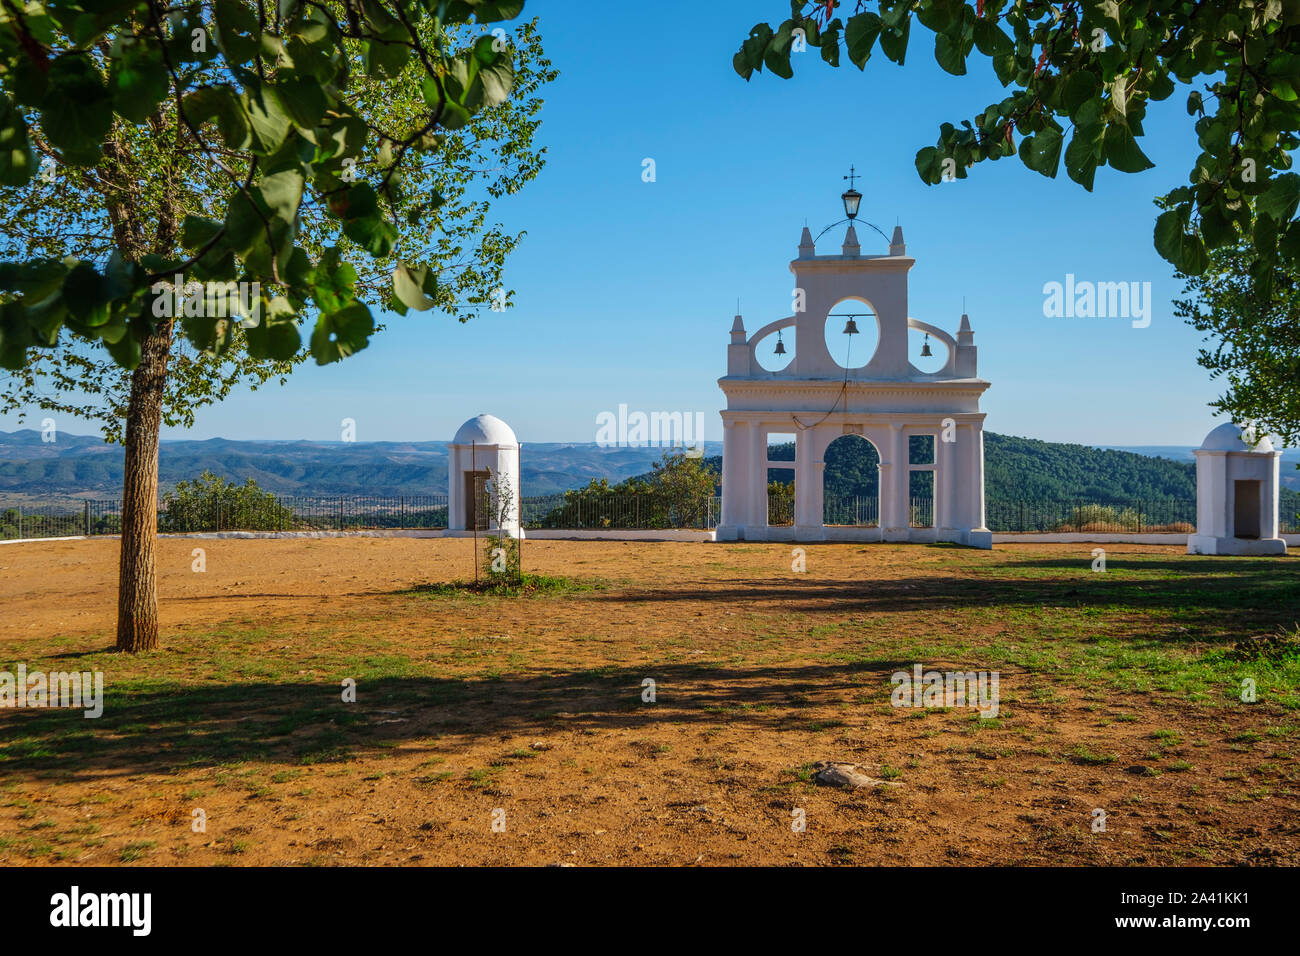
point(58, 519)
point(217, 513)
point(580, 510)
point(1081, 515)
point(856, 511)
point(70, 517)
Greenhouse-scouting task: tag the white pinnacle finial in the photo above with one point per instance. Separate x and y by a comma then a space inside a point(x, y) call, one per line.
point(806, 248)
point(851, 245)
point(896, 245)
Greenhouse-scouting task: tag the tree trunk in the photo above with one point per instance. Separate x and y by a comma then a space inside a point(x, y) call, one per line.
point(137, 588)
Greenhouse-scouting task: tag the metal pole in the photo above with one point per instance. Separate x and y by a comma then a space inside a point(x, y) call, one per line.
point(473, 492)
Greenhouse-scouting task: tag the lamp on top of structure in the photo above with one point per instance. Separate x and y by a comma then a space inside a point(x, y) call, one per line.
point(851, 197)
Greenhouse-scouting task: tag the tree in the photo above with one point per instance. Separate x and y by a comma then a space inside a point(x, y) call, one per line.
point(1258, 348)
point(1092, 66)
point(676, 493)
point(266, 155)
point(684, 485)
point(52, 216)
point(211, 503)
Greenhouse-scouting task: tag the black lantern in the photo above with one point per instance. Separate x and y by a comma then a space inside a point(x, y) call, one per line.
point(780, 346)
point(851, 199)
point(925, 347)
point(851, 196)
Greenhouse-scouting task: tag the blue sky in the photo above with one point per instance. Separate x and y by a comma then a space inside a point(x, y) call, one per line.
point(625, 290)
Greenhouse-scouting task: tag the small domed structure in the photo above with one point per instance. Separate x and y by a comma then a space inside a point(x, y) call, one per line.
point(484, 463)
point(1230, 437)
point(1236, 494)
point(486, 430)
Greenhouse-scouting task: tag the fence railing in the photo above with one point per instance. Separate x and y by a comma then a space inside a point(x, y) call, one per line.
point(858, 511)
point(577, 511)
point(72, 517)
point(1081, 515)
point(216, 514)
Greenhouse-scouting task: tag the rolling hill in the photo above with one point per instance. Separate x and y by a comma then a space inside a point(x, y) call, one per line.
point(1016, 468)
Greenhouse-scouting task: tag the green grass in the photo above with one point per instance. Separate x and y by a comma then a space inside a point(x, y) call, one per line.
point(1082, 754)
point(527, 585)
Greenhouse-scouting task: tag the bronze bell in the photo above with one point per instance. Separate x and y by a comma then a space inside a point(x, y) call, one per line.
point(925, 347)
point(850, 327)
point(780, 346)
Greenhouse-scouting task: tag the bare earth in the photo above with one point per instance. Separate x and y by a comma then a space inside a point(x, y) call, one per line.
point(529, 711)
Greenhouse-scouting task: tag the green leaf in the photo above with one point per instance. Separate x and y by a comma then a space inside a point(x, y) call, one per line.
point(949, 55)
point(139, 81)
point(196, 231)
point(1184, 250)
point(86, 294)
point(1289, 245)
point(990, 39)
point(1169, 234)
point(125, 351)
point(387, 54)
point(341, 333)
point(375, 234)
point(1280, 199)
point(1079, 87)
point(276, 336)
point(268, 121)
point(831, 46)
point(491, 84)
point(860, 35)
point(1216, 227)
point(408, 287)
point(1122, 151)
point(238, 33)
point(302, 99)
point(77, 111)
point(1042, 151)
point(893, 43)
point(17, 159)
point(493, 11)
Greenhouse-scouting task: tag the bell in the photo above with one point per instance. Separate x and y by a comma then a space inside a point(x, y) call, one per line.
point(850, 327)
point(780, 346)
point(925, 347)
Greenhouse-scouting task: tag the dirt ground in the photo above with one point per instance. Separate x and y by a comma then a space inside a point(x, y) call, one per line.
point(514, 730)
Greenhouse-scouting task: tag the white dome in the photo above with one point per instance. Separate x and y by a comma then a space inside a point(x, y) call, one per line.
point(485, 430)
point(1227, 437)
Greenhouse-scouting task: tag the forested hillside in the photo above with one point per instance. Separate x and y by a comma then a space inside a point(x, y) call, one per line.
point(1020, 468)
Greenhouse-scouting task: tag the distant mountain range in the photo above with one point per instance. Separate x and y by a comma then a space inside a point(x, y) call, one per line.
point(84, 466)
